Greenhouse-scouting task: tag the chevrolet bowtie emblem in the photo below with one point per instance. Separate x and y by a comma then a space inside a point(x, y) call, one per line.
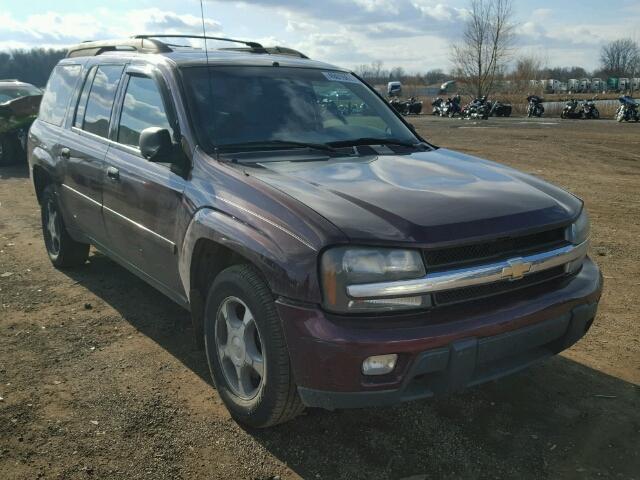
point(516, 270)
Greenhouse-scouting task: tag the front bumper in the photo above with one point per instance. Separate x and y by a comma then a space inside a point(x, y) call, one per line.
point(448, 349)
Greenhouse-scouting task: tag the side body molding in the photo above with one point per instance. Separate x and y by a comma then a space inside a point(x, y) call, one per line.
point(288, 265)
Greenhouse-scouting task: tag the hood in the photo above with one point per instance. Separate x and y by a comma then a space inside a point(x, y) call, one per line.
point(432, 197)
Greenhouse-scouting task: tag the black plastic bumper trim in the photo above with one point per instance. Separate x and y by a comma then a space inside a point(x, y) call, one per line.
point(468, 362)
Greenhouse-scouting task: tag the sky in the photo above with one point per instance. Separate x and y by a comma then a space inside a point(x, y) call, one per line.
point(413, 34)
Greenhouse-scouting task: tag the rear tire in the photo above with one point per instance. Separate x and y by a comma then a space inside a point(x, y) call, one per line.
point(252, 371)
point(63, 251)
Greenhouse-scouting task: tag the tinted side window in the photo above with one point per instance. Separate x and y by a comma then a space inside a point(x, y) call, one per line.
point(142, 108)
point(100, 103)
point(59, 90)
point(84, 96)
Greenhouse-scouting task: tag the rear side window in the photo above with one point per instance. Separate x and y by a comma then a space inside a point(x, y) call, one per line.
point(59, 90)
point(100, 102)
point(84, 96)
point(142, 108)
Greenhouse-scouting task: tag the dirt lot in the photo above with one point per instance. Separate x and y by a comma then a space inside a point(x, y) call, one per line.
point(99, 377)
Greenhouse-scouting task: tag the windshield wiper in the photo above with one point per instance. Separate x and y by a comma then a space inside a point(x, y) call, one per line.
point(277, 143)
point(375, 141)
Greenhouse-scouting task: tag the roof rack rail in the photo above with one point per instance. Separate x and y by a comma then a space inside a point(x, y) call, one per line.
point(9, 80)
point(252, 45)
point(152, 44)
point(273, 51)
point(141, 45)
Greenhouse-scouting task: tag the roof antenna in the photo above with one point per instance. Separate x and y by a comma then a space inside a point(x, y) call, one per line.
point(204, 32)
point(206, 53)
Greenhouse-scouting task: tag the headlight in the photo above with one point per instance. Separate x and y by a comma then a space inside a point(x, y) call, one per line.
point(344, 266)
point(577, 234)
point(579, 230)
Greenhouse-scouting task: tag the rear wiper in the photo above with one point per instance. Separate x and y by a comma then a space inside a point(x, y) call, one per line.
point(277, 143)
point(375, 141)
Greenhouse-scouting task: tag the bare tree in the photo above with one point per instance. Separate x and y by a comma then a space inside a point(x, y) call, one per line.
point(620, 58)
point(527, 68)
point(486, 44)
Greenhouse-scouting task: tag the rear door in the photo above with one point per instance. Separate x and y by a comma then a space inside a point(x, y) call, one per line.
point(85, 146)
point(141, 198)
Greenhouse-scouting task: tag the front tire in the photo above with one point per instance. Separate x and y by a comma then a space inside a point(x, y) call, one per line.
point(246, 350)
point(63, 251)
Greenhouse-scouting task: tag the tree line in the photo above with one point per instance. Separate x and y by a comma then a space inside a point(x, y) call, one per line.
point(485, 56)
point(32, 66)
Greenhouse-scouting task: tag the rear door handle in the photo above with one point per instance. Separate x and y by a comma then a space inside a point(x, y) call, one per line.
point(65, 153)
point(113, 173)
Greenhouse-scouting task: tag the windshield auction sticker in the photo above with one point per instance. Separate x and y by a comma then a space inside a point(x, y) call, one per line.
point(340, 77)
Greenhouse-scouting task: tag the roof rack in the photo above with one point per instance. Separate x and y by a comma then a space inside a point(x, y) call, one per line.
point(252, 45)
point(273, 51)
point(151, 44)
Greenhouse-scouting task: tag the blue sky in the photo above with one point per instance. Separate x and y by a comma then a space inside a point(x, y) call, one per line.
point(413, 34)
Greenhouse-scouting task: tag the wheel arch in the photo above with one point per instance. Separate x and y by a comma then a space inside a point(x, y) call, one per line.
point(41, 179)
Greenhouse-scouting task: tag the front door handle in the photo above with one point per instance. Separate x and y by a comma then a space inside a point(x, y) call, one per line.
point(65, 153)
point(113, 173)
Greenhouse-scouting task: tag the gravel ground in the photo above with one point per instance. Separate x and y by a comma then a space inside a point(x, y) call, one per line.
point(99, 377)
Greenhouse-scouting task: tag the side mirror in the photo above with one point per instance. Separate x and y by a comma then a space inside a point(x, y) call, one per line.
point(156, 145)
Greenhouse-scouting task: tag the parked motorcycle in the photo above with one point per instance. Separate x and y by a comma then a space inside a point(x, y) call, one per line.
point(437, 106)
point(450, 108)
point(628, 110)
point(499, 109)
point(535, 109)
point(477, 109)
point(407, 107)
point(589, 109)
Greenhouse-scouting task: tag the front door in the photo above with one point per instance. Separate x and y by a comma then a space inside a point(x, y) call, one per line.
point(141, 199)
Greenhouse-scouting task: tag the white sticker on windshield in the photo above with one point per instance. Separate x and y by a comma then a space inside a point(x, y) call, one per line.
point(340, 77)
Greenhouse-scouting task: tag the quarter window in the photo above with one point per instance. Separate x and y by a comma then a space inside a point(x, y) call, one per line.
point(100, 103)
point(143, 108)
point(84, 96)
point(55, 101)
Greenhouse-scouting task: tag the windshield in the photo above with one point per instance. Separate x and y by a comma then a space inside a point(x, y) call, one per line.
point(13, 92)
point(252, 107)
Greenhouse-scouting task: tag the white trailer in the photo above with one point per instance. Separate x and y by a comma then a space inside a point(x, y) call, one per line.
point(585, 85)
point(624, 84)
point(597, 85)
point(573, 84)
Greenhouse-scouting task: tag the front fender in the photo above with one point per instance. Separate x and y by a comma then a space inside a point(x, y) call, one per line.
point(287, 262)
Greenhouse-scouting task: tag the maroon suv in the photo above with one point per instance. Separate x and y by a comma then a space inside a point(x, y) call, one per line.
point(330, 256)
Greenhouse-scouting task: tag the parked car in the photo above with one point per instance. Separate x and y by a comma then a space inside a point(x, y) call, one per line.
point(328, 260)
point(19, 104)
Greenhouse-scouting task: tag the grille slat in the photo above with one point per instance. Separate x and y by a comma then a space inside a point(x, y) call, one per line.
point(497, 288)
point(497, 249)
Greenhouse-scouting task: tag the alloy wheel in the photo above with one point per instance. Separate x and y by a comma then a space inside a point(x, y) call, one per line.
point(240, 348)
point(52, 228)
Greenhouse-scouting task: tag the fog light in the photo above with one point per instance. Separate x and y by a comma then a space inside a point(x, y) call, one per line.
point(379, 364)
